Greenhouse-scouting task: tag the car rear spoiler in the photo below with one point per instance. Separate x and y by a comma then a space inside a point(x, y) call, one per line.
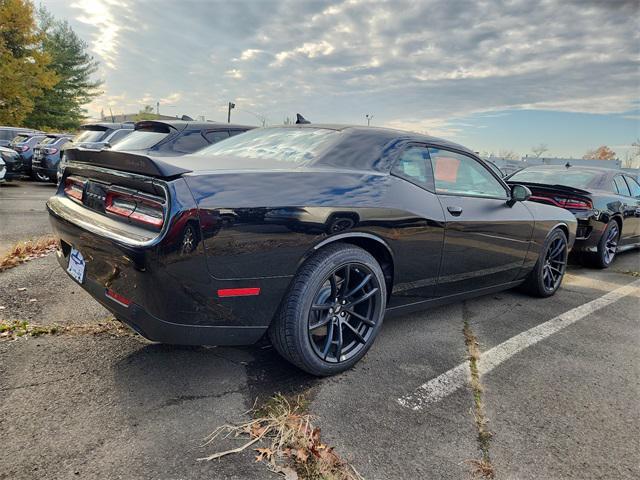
point(555, 188)
point(126, 162)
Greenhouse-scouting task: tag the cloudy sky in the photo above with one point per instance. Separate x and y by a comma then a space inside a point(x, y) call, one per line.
point(503, 75)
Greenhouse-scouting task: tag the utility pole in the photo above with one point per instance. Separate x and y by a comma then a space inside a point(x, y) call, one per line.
point(231, 105)
point(368, 117)
point(158, 108)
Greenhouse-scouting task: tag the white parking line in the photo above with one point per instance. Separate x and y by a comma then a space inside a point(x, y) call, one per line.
point(450, 381)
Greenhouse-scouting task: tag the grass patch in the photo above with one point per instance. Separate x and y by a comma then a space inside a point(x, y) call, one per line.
point(630, 272)
point(482, 467)
point(291, 444)
point(17, 329)
point(24, 251)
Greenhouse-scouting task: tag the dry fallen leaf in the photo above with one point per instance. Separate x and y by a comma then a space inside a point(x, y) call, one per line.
point(263, 454)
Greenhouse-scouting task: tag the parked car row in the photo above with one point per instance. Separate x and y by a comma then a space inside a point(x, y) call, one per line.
point(41, 156)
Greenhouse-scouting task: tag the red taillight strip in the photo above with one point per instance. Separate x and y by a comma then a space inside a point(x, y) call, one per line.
point(238, 292)
point(566, 202)
point(74, 193)
point(134, 214)
point(116, 297)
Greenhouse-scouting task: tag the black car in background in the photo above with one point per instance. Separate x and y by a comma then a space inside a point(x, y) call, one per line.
point(13, 167)
point(24, 144)
point(308, 233)
point(46, 156)
point(176, 137)
point(606, 203)
point(7, 134)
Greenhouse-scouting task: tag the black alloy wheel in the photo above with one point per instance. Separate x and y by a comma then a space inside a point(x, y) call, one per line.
point(555, 263)
point(548, 272)
point(609, 244)
point(344, 312)
point(332, 312)
point(607, 247)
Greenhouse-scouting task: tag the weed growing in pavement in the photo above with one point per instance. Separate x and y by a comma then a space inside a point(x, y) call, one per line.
point(24, 251)
point(16, 329)
point(482, 467)
point(293, 445)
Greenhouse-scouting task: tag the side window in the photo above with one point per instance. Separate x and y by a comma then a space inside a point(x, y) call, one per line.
point(214, 136)
point(633, 186)
point(233, 133)
point(414, 165)
point(458, 174)
point(621, 185)
point(188, 142)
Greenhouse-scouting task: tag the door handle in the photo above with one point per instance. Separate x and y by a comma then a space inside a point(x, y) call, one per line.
point(455, 211)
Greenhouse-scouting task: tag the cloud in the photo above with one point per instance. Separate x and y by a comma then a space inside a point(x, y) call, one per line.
point(415, 65)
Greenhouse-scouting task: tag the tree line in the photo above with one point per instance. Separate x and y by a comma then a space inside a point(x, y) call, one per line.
point(46, 72)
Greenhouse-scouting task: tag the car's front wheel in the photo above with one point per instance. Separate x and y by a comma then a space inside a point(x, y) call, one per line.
point(332, 312)
point(546, 277)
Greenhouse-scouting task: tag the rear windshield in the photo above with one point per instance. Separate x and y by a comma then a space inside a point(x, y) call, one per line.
point(20, 139)
point(291, 145)
point(90, 136)
point(52, 140)
point(566, 177)
point(140, 140)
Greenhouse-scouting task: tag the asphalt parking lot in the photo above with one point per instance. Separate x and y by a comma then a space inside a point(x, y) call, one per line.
point(561, 405)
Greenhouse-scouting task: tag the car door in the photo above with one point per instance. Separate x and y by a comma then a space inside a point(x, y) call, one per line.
point(628, 210)
point(633, 203)
point(486, 236)
point(419, 235)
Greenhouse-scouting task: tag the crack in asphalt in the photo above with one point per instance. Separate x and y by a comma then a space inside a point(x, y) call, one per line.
point(190, 398)
point(482, 467)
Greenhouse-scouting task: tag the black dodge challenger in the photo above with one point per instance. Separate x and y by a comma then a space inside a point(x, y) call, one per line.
point(308, 233)
point(606, 203)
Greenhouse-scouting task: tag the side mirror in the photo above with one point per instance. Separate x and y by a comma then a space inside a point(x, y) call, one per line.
point(519, 193)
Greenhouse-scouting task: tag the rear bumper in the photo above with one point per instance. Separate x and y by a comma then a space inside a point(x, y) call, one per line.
point(158, 330)
point(173, 298)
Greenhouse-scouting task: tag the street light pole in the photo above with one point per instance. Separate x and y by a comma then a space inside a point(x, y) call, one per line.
point(231, 105)
point(368, 117)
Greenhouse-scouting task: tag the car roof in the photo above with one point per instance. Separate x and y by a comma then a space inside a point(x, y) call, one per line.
point(587, 168)
point(21, 129)
point(107, 125)
point(193, 125)
point(59, 135)
point(390, 133)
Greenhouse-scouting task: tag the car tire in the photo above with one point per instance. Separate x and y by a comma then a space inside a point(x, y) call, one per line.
point(323, 325)
point(548, 272)
point(607, 247)
point(42, 177)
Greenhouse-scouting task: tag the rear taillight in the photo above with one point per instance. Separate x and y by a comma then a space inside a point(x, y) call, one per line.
point(573, 203)
point(74, 188)
point(50, 151)
point(139, 208)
